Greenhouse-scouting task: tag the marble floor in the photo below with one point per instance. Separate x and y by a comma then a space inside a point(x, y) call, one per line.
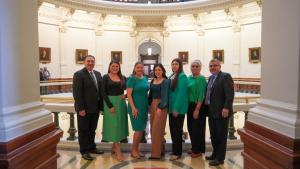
point(73, 160)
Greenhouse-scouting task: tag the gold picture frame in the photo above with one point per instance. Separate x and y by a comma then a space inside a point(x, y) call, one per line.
point(218, 54)
point(184, 56)
point(44, 55)
point(255, 55)
point(116, 56)
point(80, 54)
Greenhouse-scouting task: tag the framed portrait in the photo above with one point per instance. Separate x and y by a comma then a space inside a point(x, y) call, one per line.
point(116, 56)
point(254, 55)
point(44, 55)
point(80, 54)
point(184, 56)
point(218, 54)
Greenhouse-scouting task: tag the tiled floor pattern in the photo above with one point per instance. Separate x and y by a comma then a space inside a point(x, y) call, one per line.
point(73, 160)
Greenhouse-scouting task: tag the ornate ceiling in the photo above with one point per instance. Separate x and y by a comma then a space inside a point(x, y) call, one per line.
point(138, 9)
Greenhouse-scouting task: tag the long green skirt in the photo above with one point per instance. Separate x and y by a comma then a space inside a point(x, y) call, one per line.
point(115, 125)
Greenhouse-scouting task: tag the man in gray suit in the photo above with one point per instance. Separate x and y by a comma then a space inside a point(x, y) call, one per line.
point(219, 100)
point(88, 96)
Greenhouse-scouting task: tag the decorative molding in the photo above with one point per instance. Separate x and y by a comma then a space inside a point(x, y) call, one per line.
point(107, 7)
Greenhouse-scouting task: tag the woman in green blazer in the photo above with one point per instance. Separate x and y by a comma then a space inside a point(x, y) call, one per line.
point(178, 106)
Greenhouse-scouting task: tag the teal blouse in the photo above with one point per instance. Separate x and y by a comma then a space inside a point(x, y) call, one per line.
point(196, 88)
point(178, 98)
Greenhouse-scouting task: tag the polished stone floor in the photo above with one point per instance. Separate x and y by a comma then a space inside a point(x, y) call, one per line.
point(73, 160)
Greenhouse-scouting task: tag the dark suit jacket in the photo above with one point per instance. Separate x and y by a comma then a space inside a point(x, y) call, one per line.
point(222, 95)
point(85, 93)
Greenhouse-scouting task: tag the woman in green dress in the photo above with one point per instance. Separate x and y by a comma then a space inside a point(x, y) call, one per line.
point(137, 93)
point(115, 119)
point(178, 106)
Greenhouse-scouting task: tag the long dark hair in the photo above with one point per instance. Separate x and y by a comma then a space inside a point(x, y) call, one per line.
point(136, 63)
point(119, 72)
point(163, 69)
point(180, 69)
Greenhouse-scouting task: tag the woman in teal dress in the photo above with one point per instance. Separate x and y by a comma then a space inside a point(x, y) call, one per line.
point(178, 106)
point(115, 118)
point(137, 93)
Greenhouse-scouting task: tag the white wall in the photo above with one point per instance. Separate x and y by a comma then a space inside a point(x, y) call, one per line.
point(183, 35)
point(250, 37)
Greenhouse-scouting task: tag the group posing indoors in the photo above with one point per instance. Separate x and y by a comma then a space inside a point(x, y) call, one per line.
point(162, 97)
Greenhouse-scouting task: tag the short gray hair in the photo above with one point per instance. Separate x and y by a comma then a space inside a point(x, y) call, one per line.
point(198, 62)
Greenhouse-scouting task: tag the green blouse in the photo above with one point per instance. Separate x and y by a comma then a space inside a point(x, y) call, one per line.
point(196, 87)
point(178, 98)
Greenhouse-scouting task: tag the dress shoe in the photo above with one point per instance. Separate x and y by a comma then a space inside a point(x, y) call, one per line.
point(211, 157)
point(154, 158)
point(87, 156)
point(215, 162)
point(96, 151)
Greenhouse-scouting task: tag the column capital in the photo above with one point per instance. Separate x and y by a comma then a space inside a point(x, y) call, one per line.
point(99, 32)
point(62, 28)
point(165, 33)
point(133, 33)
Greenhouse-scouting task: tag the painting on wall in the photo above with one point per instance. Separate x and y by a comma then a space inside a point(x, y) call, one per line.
point(254, 55)
point(44, 55)
point(116, 56)
point(80, 54)
point(184, 56)
point(218, 54)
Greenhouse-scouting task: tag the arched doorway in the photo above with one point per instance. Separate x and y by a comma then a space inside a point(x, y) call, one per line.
point(149, 54)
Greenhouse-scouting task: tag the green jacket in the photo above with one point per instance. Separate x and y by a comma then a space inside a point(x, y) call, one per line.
point(178, 98)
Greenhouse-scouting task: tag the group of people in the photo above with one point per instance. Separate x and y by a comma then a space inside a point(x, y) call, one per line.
point(44, 74)
point(173, 97)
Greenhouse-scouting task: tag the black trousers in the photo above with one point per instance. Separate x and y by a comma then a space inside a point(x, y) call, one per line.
point(87, 126)
point(218, 134)
point(196, 128)
point(176, 130)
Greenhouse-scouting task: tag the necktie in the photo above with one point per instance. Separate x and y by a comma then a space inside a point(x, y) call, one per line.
point(209, 87)
point(94, 79)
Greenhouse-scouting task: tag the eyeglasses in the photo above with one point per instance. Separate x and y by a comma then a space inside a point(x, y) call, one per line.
point(213, 65)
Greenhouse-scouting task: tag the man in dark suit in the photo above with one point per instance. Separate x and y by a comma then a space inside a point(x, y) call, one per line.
point(88, 96)
point(219, 100)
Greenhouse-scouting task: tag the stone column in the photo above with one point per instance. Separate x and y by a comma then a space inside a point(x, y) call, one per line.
point(272, 133)
point(27, 129)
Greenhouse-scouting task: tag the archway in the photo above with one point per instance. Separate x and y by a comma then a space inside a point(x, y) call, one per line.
point(149, 54)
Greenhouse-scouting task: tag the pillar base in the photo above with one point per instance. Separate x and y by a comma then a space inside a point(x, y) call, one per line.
point(36, 149)
point(265, 148)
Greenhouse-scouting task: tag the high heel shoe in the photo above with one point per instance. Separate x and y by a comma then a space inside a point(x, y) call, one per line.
point(135, 156)
point(174, 158)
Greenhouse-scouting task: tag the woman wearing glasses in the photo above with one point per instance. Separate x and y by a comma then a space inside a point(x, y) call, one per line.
point(196, 119)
